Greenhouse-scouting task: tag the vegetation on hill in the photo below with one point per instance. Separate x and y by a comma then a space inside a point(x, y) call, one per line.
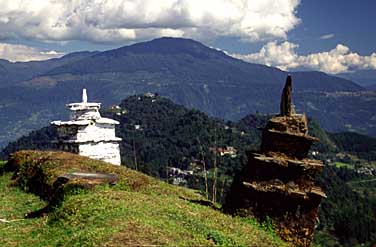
point(161, 134)
point(360, 145)
point(41, 139)
point(167, 134)
point(138, 210)
point(347, 216)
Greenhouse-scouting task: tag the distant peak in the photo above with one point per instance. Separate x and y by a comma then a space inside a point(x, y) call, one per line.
point(80, 54)
point(175, 39)
point(168, 45)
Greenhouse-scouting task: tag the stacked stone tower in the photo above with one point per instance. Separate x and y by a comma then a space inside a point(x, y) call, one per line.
point(89, 134)
point(278, 184)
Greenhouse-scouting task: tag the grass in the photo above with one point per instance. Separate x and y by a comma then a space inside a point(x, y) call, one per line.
point(138, 210)
point(343, 165)
point(2, 164)
point(14, 204)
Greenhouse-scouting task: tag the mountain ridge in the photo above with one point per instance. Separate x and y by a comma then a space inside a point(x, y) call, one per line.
point(183, 70)
point(365, 78)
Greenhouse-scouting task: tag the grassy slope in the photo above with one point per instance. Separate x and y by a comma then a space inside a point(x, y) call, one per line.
point(138, 210)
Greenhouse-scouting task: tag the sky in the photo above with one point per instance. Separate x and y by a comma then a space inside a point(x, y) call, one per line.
point(333, 36)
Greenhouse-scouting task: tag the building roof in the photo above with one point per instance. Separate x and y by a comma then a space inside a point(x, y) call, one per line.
point(76, 122)
point(83, 106)
point(85, 122)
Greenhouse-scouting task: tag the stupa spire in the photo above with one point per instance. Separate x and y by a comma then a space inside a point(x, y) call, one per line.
point(286, 104)
point(84, 96)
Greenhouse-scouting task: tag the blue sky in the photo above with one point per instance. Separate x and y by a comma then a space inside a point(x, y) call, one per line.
point(333, 36)
point(351, 22)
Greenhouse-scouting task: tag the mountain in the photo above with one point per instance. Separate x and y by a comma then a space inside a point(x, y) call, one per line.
point(23, 71)
point(183, 70)
point(191, 62)
point(365, 78)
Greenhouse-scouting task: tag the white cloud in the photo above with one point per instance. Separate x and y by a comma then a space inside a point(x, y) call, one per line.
point(22, 53)
point(130, 20)
point(284, 56)
point(272, 54)
point(327, 36)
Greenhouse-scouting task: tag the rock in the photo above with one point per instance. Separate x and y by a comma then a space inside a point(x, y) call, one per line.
point(71, 181)
point(88, 180)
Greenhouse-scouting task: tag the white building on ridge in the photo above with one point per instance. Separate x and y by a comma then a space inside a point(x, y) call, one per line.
point(89, 134)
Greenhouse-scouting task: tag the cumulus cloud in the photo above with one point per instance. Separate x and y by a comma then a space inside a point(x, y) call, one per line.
point(130, 20)
point(283, 56)
point(327, 36)
point(24, 53)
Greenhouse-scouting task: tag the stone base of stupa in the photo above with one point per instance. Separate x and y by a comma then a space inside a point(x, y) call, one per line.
point(278, 184)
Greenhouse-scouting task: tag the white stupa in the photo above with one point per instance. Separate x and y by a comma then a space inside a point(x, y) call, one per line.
point(89, 134)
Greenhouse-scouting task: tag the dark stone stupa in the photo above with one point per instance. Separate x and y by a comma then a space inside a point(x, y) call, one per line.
point(278, 181)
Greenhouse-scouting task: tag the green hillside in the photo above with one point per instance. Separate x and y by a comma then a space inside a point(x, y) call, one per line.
point(138, 210)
